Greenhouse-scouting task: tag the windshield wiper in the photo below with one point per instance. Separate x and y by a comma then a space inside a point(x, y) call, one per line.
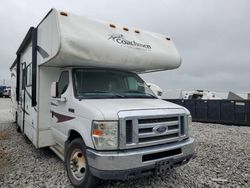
point(111, 92)
point(151, 95)
point(139, 92)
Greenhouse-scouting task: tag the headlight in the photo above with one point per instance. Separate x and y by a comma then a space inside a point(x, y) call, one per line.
point(105, 134)
point(189, 125)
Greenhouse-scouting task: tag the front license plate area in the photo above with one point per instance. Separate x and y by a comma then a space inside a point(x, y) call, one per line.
point(163, 166)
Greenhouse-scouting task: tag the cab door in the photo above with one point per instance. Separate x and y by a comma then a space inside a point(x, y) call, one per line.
point(59, 109)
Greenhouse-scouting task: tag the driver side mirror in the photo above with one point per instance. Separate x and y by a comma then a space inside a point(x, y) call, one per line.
point(54, 89)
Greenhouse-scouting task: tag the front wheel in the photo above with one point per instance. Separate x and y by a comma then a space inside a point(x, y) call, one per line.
point(77, 165)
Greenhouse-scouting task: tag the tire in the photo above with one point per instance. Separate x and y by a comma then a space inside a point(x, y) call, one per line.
point(77, 165)
point(18, 128)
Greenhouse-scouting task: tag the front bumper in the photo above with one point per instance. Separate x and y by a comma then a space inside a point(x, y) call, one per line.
point(135, 163)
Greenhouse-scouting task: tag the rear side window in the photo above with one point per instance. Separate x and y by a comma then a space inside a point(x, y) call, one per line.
point(28, 75)
point(63, 83)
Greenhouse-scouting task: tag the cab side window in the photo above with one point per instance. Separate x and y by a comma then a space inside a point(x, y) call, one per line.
point(63, 83)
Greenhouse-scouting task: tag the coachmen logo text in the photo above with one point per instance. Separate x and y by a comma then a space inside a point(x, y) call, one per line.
point(120, 39)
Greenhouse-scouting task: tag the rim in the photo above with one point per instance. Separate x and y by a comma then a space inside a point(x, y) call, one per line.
point(78, 164)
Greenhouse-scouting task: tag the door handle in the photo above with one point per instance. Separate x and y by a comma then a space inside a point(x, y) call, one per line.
point(71, 110)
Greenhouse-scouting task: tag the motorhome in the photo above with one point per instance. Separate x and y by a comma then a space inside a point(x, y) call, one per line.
point(200, 94)
point(78, 92)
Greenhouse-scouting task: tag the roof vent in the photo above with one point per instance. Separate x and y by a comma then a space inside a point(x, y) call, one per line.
point(125, 29)
point(112, 25)
point(63, 13)
point(137, 31)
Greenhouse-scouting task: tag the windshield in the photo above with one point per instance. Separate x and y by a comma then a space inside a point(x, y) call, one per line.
point(95, 83)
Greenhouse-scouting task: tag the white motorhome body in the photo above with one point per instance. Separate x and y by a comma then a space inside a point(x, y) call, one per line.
point(76, 79)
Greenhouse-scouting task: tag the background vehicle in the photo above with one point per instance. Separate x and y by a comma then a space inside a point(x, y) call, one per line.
point(79, 93)
point(7, 92)
point(2, 90)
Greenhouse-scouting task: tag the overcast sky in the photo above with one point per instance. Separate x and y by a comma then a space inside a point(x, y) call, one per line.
point(213, 37)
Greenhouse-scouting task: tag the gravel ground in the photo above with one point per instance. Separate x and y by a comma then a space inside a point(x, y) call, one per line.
point(222, 160)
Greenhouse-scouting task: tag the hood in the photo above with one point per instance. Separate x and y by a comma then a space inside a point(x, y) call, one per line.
point(110, 107)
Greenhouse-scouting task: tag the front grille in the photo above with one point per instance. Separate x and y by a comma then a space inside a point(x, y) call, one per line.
point(147, 131)
point(150, 139)
point(172, 127)
point(157, 120)
point(129, 132)
point(182, 123)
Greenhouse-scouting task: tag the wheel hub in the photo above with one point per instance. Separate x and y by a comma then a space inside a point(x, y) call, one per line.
point(78, 164)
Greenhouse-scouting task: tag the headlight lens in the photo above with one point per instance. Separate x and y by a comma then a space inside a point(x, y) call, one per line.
point(189, 124)
point(105, 134)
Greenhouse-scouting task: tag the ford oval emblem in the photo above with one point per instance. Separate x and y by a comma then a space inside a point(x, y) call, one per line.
point(160, 129)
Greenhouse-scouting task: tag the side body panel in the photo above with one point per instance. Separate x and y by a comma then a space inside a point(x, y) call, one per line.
point(27, 115)
point(13, 92)
point(47, 75)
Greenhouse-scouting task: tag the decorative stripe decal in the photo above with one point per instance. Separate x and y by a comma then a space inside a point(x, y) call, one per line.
point(53, 104)
point(25, 111)
point(41, 51)
point(60, 117)
point(29, 95)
